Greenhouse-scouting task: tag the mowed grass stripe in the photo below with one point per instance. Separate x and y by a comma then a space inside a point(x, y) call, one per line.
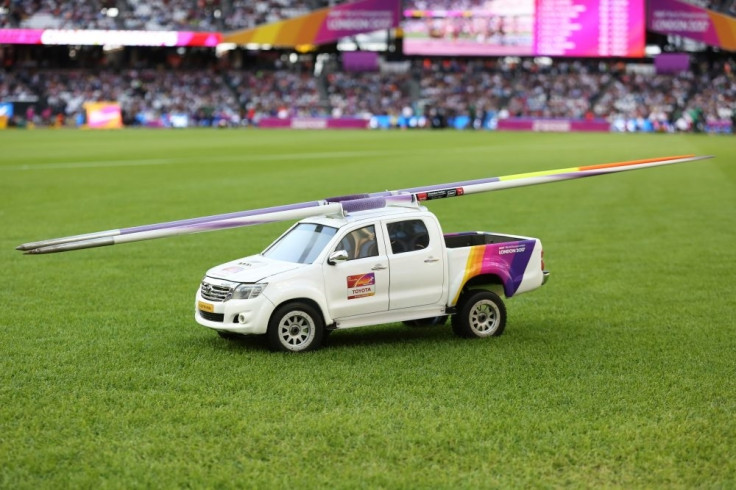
point(210, 160)
point(619, 372)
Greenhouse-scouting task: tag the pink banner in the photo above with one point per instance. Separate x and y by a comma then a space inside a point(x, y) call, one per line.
point(312, 123)
point(92, 37)
point(20, 36)
point(554, 125)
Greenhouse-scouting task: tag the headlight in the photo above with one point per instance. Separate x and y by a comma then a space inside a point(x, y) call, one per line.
point(248, 291)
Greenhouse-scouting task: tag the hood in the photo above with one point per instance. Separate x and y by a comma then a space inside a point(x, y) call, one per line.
point(250, 269)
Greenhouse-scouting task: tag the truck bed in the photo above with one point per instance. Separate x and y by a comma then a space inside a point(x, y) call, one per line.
point(515, 261)
point(473, 238)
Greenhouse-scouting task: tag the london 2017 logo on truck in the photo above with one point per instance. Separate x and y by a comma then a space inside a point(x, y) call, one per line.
point(361, 285)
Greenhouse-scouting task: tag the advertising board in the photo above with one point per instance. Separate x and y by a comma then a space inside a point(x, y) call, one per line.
point(687, 20)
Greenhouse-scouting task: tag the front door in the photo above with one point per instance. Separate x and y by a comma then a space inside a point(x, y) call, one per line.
point(359, 285)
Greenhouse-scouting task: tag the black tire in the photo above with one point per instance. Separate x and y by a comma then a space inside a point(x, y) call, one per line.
point(480, 314)
point(426, 322)
point(295, 327)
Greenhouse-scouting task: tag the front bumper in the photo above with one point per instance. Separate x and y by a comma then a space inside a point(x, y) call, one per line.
point(242, 316)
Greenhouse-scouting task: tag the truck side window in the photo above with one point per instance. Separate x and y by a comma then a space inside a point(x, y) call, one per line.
point(360, 243)
point(408, 236)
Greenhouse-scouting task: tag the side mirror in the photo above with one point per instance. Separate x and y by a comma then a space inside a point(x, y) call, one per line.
point(337, 256)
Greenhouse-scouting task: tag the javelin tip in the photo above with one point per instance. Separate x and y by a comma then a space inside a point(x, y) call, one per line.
point(65, 247)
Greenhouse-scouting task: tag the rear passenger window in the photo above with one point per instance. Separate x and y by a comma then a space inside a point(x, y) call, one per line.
point(408, 236)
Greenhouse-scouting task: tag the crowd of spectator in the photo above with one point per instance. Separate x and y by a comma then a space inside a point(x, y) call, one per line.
point(365, 94)
point(629, 99)
point(14, 87)
point(681, 102)
point(477, 90)
point(143, 95)
point(559, 92)
point(278, 93)
point(41, 14)
point(727, 7)
point(171, 15)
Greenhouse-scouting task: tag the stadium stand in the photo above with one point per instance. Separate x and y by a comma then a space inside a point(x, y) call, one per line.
point(143, 95)
point(367, 94)
point(276, 93)
point(152, 15)
point(723, 6)
point(14, 87)
point(44, 14)
point(152, 85)
point(629, 100)
point(203, 15)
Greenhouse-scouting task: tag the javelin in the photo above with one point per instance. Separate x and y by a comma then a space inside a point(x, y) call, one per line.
point(337, 205)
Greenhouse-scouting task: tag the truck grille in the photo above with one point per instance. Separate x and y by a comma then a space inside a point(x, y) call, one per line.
point(214, 292)
point(213, 317)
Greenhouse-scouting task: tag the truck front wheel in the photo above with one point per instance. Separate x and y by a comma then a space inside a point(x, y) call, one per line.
point(295, 327)
point(481, 314)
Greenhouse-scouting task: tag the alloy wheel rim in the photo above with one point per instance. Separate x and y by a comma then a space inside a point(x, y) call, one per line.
point(296, 330)
point(484, 318)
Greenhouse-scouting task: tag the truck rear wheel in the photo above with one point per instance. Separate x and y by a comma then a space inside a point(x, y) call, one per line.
point(295, 327)
point(481, 314)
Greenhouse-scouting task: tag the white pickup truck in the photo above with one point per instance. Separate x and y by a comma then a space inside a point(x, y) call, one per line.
point(362, 259)
point(369, 267)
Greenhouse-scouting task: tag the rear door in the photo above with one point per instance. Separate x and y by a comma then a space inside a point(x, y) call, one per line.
point(416, 265)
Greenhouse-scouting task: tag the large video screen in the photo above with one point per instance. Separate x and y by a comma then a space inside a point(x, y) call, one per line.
point(524, 27)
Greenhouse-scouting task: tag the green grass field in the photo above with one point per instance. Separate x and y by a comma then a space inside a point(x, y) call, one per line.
point(620, 372)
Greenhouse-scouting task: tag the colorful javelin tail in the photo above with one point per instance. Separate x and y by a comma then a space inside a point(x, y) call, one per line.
point(544, 177)
point(337, 205)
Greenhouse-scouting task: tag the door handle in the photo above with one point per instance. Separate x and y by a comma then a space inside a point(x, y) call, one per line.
point(429, 260)
point(378, 267)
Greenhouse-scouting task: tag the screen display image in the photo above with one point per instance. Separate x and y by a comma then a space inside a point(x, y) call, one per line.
point(499, 27)
point(524, 27)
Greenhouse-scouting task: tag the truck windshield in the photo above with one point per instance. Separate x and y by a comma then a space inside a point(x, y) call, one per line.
point(302, 244)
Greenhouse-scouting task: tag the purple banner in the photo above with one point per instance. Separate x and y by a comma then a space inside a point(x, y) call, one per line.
point(672, 62)
point(312, 123)
point(360, 61)
point(721, 126)
point(554, 125)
